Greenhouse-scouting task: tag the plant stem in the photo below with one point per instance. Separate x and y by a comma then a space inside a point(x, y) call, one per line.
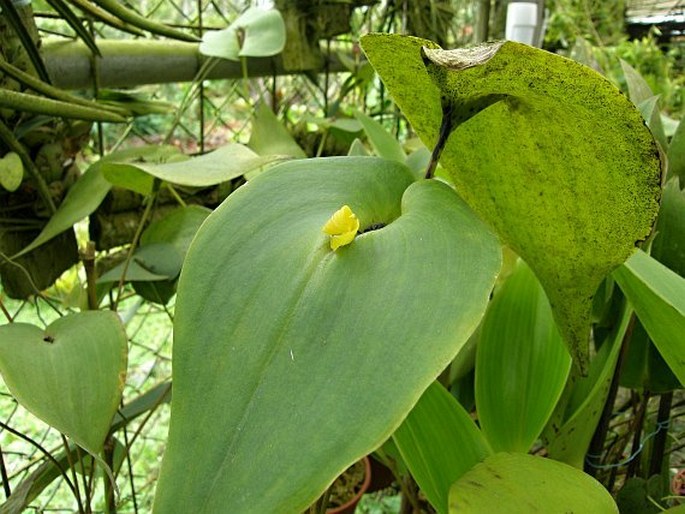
point(662, 421)
point(110, 500)
point(599, 437)
point(44, 452)
point(5, 478)
point(88, 258)
point(634, 465)
point(5, 311)
point(446, 128)
point(72, 467)
point(136, 237)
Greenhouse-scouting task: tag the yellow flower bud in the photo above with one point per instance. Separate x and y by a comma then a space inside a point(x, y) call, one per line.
point(342, 227)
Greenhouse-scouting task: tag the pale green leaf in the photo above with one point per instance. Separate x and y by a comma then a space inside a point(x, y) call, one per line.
point(658, 296)
point(439, 442)
point(383, 143)
point(546, 150)
point(270, 137)
point(223, 164)
point(521, 364)
point(357, 149)
point(151, 262)
point(128, 177)
point(90, 189)
point(70, 375)
point(82, 199)
point(517, 483)
point(279, 340)
point(676, 154)
point(255, 33)
point(651, 113)
point(11, 171)
point(638, 89)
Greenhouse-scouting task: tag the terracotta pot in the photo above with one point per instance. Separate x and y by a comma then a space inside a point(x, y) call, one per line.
point(351, 505)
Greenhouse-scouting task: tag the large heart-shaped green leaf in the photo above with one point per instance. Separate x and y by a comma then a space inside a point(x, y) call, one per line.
point(291, 360)
point(546, 150)
point(517, 483)
point(70, 375)
point(521, 364)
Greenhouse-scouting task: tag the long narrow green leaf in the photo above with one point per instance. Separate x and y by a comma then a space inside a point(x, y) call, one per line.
point(573, 424)
point(658, 297)
point(270, 137)
point(15, 21)
point(89, 191)
point(521, 364)
point(676, 154)
point(383, 143)
point(73, 21)
point(439, 442)
point(638, 89)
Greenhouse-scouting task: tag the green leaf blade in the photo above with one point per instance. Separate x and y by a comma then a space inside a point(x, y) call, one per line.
point(658, 296)
point(439, 442)
point(521, 364)
point(568, 174)
point(70, 375)
point(293, 350)
point(525, 484)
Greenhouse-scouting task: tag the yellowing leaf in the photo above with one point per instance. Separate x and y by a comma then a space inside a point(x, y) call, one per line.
point(547, 151)
point(342, 227)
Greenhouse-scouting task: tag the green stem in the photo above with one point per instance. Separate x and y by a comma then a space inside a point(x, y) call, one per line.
point(105, 17)
point(39, 105)
point(72, 467)
point(133, 18)
point(136, 238)
point(5, 478)
point(53, 92)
